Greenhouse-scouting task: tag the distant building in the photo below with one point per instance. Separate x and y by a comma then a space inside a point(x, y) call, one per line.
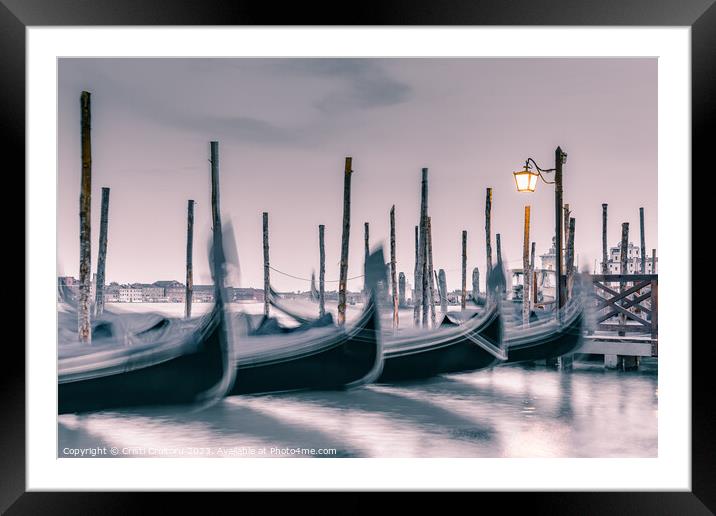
point(175, 294)
point(247, 294)
point(168, 284)
point(152, 294)
point(202, 294)
point(633, 261)
point(111, 296)
point(111, 293)
point(548, 259)
point(130, 295)
point(174, 291)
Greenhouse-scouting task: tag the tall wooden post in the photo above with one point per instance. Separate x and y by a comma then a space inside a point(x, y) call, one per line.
point(624, 248)
point(643, 241)
point(393, 272)
point(215, 207)
point(442, 286)
point(321, 271)
point(422, 268)
point(267, 277)
point(101, 254)
point(417, 295)
point(84, 329)
point(430, 273)
point(566, 212)
point(475, 284)
point(653, 261)
point(189, 257)
point(526, 270)
point(366, 231)
point(559, 158)
point(533, 274)
point(654, 308)
point(623, 269)
point(605, 258)
point(498, 246)
point(401, 289)
point(488, 235)
point(464, 269)
point(343, 279)
point(498, 257)
point(570, 258)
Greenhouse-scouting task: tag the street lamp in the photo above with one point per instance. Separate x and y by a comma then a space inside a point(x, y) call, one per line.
point(526, 181)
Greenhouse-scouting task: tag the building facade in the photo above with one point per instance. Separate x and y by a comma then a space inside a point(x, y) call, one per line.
point(633, 261)
point(130, 295)
point(152, 294)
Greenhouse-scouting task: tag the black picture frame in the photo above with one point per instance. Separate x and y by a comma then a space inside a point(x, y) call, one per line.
point(700, 15)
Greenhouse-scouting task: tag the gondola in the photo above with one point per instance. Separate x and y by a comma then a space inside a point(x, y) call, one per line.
point(185, 365)
point(155, 361)
point(314, 355)
point(453, 347)
point(548, 338)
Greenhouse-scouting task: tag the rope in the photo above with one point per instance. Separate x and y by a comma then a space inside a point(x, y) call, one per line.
point(308, 279)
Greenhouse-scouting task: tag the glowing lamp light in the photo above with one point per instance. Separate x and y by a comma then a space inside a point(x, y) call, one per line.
point(526, 180)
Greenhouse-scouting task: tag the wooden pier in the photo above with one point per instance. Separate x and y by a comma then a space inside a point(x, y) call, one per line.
point(626, 325)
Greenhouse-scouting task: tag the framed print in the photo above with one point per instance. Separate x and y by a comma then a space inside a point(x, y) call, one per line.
point(438, 247)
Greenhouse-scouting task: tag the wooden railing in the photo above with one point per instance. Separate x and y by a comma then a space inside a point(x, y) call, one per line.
point(632, 300)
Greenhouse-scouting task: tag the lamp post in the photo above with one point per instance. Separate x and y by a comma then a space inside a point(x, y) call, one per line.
point(526, 181)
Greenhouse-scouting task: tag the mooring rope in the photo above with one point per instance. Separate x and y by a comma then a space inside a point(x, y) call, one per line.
point(309, 279)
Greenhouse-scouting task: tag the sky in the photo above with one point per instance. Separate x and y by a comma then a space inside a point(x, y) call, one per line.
point(285, 126)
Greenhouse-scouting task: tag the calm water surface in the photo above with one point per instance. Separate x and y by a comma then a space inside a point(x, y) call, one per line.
point(503, 412)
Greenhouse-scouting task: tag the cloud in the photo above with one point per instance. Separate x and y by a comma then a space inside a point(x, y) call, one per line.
point(361, 83)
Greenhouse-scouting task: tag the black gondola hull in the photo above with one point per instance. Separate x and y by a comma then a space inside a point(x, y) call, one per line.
point(562, 341)
point(355, 359)
point(186, 378)
point(455, 355)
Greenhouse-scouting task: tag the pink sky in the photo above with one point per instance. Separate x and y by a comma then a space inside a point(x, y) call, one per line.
point(285, 127)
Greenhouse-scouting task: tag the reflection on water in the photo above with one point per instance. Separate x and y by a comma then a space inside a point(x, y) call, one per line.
point(504, 412)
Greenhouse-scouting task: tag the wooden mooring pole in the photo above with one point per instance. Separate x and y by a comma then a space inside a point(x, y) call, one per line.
point(366, 253)
point(464, 270)
point(267, 270)
point(215, 204)
point(526, 269)
point(189, 256)
point(566, 212)
point(84, 329)
point(643, 241)
point(498, 246)
point(393, 272)
point(343, 278)
point(498, 255)
point(401, 289)
point(416, 280)
point(101, 254)
point(605, 258)
point(422, 258)
point(488, 236)
point(533, 275)
point(430, 272)
point(321, 271)
point(623, 270)
point(442, 286)
point(475, 284)
point(570, 258)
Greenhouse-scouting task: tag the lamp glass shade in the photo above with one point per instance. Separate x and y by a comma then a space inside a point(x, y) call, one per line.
point(526, 180)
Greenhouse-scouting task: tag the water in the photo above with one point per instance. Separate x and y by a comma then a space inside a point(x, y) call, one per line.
point(504, 412)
